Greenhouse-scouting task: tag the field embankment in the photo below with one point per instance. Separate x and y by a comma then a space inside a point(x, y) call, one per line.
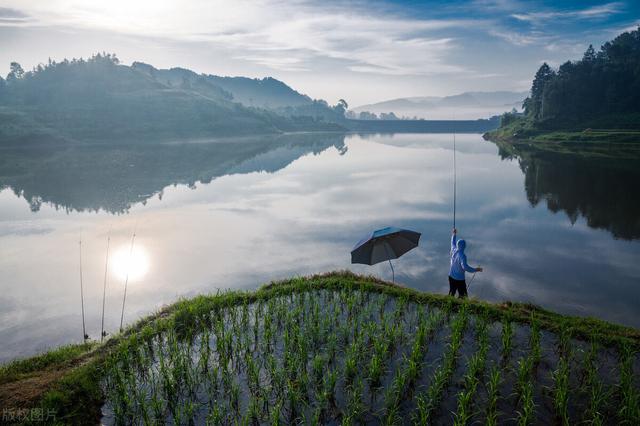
point(338, 348)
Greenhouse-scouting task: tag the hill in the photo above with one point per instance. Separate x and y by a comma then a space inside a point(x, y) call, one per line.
point(468, 105)
point(594, 99)
point(266, 93)
point(100, 99)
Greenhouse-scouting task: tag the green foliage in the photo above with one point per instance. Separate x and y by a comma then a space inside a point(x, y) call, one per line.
point(603, 82)
point(99, 99)
point(49, 360)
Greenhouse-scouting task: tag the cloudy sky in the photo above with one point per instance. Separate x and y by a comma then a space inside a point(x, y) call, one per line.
point(361, 51)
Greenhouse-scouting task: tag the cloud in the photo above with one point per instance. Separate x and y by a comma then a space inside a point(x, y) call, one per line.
point(595, 12)
point(13, 17)
point(519, 39)
point(283, 35)
point(7, 13)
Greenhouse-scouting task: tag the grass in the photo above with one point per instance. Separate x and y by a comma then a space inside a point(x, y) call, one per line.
point(53, 359)
point(328, 348)
point(524, 130)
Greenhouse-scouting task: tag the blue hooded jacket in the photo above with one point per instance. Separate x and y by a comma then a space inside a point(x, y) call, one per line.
point(458, 260)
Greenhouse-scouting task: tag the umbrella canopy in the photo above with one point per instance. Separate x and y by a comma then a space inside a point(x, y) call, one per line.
point(384, 244)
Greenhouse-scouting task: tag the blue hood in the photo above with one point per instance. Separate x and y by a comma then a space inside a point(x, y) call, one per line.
point(461, 245)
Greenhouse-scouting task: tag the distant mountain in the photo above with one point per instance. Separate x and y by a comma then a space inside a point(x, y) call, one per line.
point(100, 99)
point(468, 105)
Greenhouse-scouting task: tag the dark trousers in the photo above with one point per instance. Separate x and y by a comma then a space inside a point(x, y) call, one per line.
point(457, 285)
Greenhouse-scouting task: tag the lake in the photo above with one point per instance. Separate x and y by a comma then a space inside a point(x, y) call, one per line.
point(550, 227)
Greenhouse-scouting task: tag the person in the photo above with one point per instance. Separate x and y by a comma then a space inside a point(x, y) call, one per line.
point(458, 267)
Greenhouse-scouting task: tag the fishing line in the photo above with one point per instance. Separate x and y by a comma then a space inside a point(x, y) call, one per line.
point(126, 281)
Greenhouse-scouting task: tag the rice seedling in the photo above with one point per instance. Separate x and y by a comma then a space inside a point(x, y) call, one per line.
point(215, 417)
point(355, 407)
point(594, 389)
point(629, 410)
point(342, 354)
point(526, 413)
point(376, 369)
point(493, 385)
point(507, 339)
point(561, 391)
point(428, 402)
point(475, 366)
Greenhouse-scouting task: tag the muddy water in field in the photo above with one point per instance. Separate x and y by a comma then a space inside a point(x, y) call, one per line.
point(553, 228)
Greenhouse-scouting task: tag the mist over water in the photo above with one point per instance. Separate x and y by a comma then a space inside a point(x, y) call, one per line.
point(231, 213)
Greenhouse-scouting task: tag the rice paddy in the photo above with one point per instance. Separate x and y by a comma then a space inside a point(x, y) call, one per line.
point(341, 349)
point(337, 349)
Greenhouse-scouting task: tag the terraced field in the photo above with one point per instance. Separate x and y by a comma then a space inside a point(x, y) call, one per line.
point(343, 349)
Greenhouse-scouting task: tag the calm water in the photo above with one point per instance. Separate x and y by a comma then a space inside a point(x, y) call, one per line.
point(555, 229)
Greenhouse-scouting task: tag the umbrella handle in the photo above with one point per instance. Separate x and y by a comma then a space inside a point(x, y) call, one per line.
point(393, 273)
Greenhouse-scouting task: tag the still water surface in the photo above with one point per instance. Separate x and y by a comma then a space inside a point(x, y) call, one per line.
point(556, 229)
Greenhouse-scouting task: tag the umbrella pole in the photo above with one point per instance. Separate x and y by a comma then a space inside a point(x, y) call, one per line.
point(393, 273)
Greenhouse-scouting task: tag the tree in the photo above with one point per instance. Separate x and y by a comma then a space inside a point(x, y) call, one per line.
point(388, 116)
point(589, 55)
point(341, 107)
point(15, 72)
point(535, 107)
point(601, 89)
point(366, 115)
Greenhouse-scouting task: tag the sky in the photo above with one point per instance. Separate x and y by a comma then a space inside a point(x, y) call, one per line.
point(361, 51)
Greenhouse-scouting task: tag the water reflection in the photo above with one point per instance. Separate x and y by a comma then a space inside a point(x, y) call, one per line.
point(218, 215)
point(596, 182)
point(113, 178)
point(130, 263)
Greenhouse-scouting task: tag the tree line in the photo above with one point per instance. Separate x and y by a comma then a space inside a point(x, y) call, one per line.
point(603, 87)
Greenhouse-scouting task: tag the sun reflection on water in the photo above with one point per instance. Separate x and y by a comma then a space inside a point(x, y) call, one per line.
point(134, 262)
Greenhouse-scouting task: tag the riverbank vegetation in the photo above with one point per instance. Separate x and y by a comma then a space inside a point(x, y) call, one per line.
point(341, 348)
point(594, 99)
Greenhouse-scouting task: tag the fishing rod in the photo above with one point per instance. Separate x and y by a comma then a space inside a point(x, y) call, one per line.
point(454, 174)
point(126, 281)
point(85, 336)
point(104, 288)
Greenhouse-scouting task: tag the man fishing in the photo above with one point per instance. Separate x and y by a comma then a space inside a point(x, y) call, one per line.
point(458, 267)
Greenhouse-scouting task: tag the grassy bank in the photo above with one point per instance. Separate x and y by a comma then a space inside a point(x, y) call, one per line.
point(523, 130)
point(337, 348)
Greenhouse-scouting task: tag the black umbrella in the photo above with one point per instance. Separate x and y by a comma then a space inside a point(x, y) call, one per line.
point(384, 244)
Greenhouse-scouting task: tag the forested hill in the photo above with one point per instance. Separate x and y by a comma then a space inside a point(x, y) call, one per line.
point(600, 91)
point(267, 93)
point(100, 99)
